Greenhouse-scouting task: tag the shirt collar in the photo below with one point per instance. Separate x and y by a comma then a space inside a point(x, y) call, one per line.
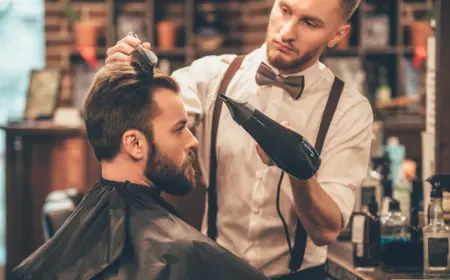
point(311, 74)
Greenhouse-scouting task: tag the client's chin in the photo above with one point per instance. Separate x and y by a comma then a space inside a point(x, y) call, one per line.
point(179, 184)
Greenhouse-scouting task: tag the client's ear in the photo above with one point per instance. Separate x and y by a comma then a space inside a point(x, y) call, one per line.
point(134, 144)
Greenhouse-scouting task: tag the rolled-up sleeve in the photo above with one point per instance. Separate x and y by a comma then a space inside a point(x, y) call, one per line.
point(346, 155)
point(195, 81)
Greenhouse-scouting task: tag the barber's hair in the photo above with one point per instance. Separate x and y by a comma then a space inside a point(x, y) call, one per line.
point(349, 7)
point(119, 99)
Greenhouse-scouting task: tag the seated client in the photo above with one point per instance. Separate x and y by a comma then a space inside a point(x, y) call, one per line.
point(124, 229)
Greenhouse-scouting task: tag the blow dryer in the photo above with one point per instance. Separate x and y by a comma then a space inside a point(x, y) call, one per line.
point(288, 150)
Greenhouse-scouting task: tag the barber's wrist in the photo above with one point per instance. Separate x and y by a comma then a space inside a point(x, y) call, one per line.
point(296, 182)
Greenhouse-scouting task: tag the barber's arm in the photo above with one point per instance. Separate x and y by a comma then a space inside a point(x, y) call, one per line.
point(325, 202)
point(194, 80)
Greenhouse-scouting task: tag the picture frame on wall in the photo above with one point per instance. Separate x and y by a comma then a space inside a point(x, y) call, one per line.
point(82, 80)
point(43, 95)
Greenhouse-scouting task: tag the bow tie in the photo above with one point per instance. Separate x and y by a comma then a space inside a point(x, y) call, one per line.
point(292, 84)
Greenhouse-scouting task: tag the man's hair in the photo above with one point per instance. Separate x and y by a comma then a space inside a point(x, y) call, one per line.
point(349, 7)
point(119, 99)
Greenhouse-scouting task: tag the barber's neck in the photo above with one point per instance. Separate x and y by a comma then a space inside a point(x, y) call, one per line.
point(121, 170)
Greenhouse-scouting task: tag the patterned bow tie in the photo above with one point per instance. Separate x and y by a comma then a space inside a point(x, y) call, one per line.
point(292, 84)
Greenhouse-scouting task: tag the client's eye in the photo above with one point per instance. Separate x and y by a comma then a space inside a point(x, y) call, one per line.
point(180, 130)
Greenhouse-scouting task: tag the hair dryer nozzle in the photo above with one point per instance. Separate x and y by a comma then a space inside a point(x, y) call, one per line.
point(240, 111)
point(223, 97)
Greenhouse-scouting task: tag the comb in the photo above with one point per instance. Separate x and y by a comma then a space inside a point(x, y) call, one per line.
point(145, 58)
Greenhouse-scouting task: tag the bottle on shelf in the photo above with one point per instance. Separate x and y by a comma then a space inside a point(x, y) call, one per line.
point(383, 95)
point(366, 236)
point(436, 235)
point(417, 221)
point(383, 165)
point(393, 225)
point(370, 185)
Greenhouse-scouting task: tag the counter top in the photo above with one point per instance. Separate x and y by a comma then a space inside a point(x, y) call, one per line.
point(41, 128)
point(340, 266)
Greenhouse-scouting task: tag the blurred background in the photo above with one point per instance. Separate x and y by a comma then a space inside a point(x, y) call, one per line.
point(50, 50)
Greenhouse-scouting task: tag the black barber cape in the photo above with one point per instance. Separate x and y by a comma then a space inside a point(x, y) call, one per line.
point(126, 231)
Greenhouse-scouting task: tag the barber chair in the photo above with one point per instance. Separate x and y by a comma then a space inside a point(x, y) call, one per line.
point(58, 206)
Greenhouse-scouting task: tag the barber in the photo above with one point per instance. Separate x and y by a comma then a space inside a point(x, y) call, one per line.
point(286, 81)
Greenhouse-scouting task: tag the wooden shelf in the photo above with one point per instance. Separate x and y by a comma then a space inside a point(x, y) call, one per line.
point(173, 53)
point(218, 51)
point(101, 52)
point(408, 50)
point(405, 122)
point(258, 5)
point(133, 7)
point(259, 20)
point(231, 6)
point(379, 50)
point(352, 51)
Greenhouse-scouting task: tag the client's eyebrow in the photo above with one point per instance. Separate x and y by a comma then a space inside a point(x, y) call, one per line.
point(180, 123)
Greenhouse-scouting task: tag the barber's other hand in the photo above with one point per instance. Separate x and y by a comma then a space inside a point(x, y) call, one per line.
point(265, 157)
point(122, 50)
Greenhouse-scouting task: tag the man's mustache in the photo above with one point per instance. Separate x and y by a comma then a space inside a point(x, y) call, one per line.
point(189, 160)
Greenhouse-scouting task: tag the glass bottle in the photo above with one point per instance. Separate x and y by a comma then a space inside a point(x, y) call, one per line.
point(383, 94)
point(393, 225)
point(366, 236)
point(373, 233)
point(436, 237)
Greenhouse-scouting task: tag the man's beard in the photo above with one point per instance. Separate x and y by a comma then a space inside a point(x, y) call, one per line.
point(293, 64)
point(167, 176)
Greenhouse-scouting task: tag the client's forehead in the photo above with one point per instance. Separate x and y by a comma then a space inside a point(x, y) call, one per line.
point(169, 105)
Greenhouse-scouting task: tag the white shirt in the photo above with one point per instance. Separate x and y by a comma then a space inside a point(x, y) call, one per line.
point(248, 223)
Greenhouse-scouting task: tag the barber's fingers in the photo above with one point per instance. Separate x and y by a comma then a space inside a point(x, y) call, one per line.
point(286, 124)
point(118, 57)
point(129, 40)
point(146, 45)
point(125, 46)
point(264, 157)
point(120, 48)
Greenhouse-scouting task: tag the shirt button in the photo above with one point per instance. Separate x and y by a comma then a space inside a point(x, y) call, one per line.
point(256, 210)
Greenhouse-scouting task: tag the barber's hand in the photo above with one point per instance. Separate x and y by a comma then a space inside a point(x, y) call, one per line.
point(122, 50)
point(265, 157)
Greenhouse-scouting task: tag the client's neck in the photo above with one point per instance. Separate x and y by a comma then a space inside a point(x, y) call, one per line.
point(120, 171)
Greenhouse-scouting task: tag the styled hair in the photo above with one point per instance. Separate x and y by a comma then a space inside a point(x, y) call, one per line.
point(120, 98)
point(349, 7)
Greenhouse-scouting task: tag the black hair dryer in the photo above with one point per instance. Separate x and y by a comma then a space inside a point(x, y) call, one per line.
point(288, 150)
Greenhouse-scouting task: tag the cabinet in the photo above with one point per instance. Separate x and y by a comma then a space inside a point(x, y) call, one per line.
point(40, 158)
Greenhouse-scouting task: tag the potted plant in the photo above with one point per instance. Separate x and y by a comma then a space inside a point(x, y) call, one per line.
point(86, 32)
point(166, 30)
point(420, 29)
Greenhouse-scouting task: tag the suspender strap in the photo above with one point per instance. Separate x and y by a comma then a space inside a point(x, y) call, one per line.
point(328, 113)
point(298, 251)
point(212, 191)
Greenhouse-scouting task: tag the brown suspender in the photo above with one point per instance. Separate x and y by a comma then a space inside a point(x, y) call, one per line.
point(300, 233)
point(212, 191)
point(298, 251)
point(330, 108)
